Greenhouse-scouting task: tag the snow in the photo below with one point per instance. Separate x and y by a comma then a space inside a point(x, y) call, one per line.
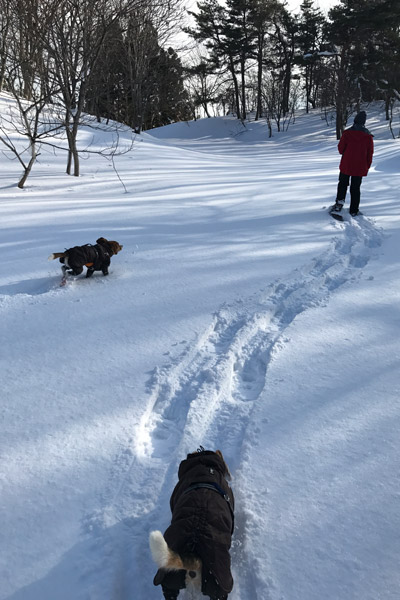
point(238, 316)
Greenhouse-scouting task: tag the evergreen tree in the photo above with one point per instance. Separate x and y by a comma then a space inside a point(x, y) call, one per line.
point(167, 100)
point(211, 28)
point(240, 36)
point(309, 41)
point(380, 72)
point(107, 89)
point(365, 34)
point(261, 14)
point(137, 82)
point(282, 54)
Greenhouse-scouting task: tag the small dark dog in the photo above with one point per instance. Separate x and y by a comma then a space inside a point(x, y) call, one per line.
point(95, 258)
point(193, 553)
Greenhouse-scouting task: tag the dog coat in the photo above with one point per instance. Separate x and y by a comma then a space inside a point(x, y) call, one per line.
point(202, 522)
point(97, 257)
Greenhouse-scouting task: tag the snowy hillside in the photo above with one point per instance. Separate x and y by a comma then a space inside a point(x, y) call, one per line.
point(238, 316)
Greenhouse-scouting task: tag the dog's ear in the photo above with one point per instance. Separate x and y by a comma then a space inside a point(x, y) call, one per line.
point(101, 240)
point(227, 472)
point(115, 247)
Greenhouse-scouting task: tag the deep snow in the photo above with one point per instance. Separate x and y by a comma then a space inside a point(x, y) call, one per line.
point(237, 316)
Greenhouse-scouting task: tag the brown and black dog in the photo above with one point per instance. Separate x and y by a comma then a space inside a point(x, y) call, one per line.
point(193, 553)
point(95, 257)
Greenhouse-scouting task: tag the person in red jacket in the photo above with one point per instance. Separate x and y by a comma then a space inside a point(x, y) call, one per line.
point(356, 147)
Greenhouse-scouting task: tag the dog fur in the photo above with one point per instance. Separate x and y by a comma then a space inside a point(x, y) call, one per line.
point(166, 559)
point(95, 258)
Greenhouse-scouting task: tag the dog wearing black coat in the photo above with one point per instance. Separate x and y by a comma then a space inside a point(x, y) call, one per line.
point(95, 257)
point(193, 553)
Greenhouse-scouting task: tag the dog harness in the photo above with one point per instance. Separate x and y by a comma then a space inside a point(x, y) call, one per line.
point(216, 488)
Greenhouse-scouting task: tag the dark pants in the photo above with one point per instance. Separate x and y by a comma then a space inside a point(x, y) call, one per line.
point(354, 190)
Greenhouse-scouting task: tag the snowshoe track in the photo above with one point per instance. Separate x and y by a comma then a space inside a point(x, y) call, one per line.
point(207, 394)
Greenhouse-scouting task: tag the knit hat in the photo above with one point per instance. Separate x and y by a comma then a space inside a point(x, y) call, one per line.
point(360, 118)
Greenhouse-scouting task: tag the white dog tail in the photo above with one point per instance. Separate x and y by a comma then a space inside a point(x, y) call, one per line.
point(56, 255)
point(163, 556)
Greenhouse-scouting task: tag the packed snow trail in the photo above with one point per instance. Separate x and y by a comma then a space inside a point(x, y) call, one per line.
point(207, 396)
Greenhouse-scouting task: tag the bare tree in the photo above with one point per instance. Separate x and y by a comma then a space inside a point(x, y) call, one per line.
point(205, 86)
point(24, 127)
point(26, 123)
point(75, 43)
point(72, 45)
point(6, 18)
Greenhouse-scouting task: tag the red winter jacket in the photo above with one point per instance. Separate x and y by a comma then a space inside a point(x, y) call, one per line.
point(357, 148)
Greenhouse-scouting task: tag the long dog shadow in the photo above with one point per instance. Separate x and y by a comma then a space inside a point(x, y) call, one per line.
point(101, 567)
point(30, 287)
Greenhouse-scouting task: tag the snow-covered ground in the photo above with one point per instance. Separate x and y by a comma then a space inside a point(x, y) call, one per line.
point(238, 316)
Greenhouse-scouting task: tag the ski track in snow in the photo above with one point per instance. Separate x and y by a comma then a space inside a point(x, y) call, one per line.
point(206, 397)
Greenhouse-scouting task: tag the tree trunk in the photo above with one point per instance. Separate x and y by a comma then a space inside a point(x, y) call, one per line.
point(28, 167)
point(387, 106)
point(235, 85)
point(260, 47)
point(286, 89)
point(307, 86)
point(243, 86)
point(341, 95)
point(73, 154)
point(69, 163)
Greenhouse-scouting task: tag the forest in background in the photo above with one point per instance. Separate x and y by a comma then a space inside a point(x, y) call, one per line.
point(112, 59)
point(269, 61)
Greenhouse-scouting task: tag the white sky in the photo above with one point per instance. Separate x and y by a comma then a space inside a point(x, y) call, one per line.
point(324, 5)
point(180, 40)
